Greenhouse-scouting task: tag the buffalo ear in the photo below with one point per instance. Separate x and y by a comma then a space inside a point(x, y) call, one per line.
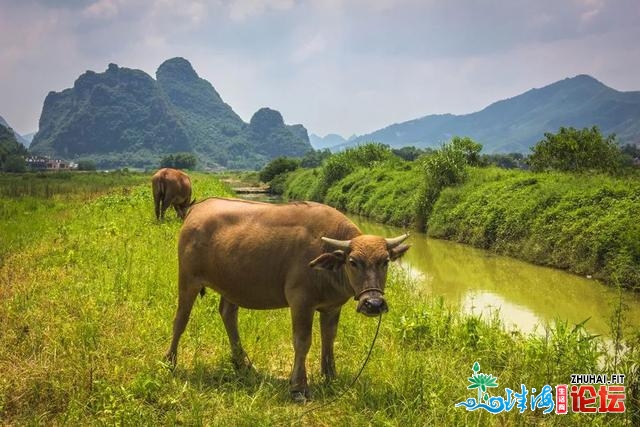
point(329, 261)
point(398, 251)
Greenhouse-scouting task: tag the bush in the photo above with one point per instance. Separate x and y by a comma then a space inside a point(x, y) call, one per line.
point(314, 158)
point(574, 150)
point(443, 168)
point(15, 164)
point(179, 161)
point(505, 161)
point(342, 164)
point(410, 153)
point(385, 192)
point(278, 166)
point(86, 165)
point(469, 148)
point(300, 184)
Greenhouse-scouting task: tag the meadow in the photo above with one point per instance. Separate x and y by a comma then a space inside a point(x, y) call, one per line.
point(87, 297)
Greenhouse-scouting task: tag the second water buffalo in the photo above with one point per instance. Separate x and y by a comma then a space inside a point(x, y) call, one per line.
point(171, 187)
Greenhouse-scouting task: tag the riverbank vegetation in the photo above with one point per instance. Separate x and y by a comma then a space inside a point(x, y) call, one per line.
point(577, 213)
point(87, 301)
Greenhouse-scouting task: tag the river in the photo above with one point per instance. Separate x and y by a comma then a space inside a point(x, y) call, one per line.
point(526, 296)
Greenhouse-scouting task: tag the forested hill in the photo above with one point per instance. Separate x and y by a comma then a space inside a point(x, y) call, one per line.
point(123, 117)
point(9, 148)
point(21, 139)
point(515, 124)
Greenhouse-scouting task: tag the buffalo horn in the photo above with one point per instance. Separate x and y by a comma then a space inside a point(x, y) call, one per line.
point(337, 244)
point(392, 243)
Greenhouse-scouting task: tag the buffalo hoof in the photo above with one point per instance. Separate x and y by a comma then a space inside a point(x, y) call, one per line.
point(300, 397)
point(242, 364)
point(329, 375)
point(171, 359)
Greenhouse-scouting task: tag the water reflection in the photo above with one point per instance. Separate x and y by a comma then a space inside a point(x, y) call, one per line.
point(525, 295)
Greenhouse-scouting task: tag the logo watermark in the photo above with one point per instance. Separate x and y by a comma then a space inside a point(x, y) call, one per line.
point(586, 393)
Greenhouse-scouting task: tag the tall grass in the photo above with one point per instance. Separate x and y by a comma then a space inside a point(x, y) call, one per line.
point(86, 307)
point(50, 184)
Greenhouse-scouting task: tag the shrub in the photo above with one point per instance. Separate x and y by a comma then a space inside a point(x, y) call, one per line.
point(278, 166)
point(575, 150)
point(86, 165)
point(314, 158)
point(445, 167)
point(469, 148)
point(179, 161)
point(410, 153)
point(342, 164)
point(300, 184)
point(15, 163)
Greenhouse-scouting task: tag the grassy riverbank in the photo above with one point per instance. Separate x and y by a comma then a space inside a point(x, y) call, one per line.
point(587, 224)
point(584, 223)
point(86, 304)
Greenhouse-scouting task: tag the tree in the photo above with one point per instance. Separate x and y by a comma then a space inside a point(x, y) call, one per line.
point(15, 163)
point(86, 165)
point(469, 147)
point(339, 165)
point(576, 150)
point(444, 167)
point(314, 158)
point(505, 161)
point(179, 161)
point(278, 166)
point(631, 154)
point(410, 153)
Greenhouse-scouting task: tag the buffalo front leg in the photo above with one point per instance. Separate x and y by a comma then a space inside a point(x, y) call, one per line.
point(229, 314)
point(186, 296)
point(328, 331)
point(302, 319)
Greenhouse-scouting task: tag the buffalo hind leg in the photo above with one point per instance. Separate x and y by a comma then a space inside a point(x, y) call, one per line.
point(302, 321)
point(179, 211)
point(229, 314)
point(157, 200)
point(166, 204)
point(328, 331)
point(186, 296)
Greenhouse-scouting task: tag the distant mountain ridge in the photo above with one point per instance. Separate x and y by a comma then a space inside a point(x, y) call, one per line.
point(21, 139)
point(516, 124)
point(123, 117)
point(327, 141)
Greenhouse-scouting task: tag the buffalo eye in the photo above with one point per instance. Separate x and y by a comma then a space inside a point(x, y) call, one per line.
point(353, 262)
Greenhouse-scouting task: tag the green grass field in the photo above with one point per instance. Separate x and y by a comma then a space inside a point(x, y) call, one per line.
point(87, 297)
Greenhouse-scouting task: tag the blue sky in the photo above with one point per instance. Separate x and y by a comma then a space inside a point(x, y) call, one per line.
point(336, 66)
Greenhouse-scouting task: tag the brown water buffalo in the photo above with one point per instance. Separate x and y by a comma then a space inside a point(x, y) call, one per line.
point(306, 256)
point(171, 187)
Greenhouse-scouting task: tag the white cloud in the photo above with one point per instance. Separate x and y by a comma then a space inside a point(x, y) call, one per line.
point(102, 9)
point(314, 46)
point(240, 10)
